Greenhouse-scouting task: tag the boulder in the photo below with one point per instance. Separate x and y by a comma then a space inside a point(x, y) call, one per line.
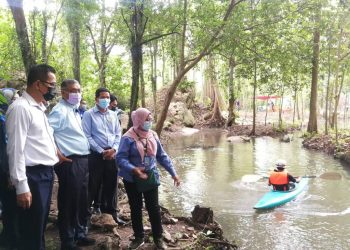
point(108, 243)
point(188, 119)
point(202, 215)
point(287, 138)
point(104, 221)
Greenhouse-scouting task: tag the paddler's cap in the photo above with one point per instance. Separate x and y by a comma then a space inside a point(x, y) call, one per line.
point(281, 164)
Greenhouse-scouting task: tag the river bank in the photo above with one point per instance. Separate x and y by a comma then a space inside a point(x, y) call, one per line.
point(179, 232)
point(329, 145)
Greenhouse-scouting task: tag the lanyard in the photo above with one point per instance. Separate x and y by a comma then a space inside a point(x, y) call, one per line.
point(145, 146)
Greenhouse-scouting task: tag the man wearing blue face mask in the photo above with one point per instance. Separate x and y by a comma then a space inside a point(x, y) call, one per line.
point(102, 128)
point(73, 170)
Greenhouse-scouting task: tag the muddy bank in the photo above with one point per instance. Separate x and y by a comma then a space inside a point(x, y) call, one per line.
point(199, 231)
point(328, 145)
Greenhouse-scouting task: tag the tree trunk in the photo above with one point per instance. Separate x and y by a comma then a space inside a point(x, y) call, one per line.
point(312, 125)
point(216, 119)
point(73, 10)
point(280, 122)
point(154, 53)
point(44, 39)
point(16, 7)
point(163, 63)
point(33, 32)
point(142, 84)
point(327, 90)
point(232, 98)
point(266, 111)
point(137, 24)
point(336, 84)
point(136, 54)
point(295, 104)
point(335, 114)
point(76, 52)
point(254, 96)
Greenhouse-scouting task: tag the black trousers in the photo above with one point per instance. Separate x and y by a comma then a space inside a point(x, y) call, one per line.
point(103, 173)
point(72, 198)
point(152, 206)
point(9, 232)
point(32, 221)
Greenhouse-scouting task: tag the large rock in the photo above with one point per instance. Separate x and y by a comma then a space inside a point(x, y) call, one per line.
point(188, 119)
point(104, 221)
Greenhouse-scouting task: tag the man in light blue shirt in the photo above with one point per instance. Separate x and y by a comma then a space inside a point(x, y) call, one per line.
point(73, 171)
point(102, 128)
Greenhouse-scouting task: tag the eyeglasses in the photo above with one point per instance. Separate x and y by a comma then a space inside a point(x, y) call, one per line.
point(49, 84)
point(72, 90)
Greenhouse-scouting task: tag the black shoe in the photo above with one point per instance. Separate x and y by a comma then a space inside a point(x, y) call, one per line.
point(70, 246)
point(119, 221)
point(86, 241)
point(160, 243)
point(136, 243)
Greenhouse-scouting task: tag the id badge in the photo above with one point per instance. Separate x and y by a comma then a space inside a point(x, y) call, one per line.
point(147, 162)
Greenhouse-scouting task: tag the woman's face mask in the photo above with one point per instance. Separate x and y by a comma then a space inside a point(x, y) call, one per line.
point(103, 103)
point(147, 125)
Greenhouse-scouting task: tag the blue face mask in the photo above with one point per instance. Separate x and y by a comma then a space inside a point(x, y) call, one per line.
point(103, 102)
point(147, 125)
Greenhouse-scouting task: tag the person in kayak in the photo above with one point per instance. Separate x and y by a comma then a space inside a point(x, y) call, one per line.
point(280, 179)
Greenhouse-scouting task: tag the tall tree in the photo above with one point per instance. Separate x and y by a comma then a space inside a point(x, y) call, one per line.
point(16, 7)
point(73, 13)
point(312, 124)
point(105, 40)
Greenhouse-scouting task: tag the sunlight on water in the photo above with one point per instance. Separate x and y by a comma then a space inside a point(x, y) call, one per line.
point(212, 169)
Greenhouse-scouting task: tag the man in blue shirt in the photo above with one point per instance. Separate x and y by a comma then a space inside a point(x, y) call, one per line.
point(82, 108)
point(73, 171)
point(102, 128)
point(8, 236)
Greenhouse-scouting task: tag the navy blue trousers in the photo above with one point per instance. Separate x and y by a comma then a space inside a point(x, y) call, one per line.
point(9, 232)
point(32, 221)
point(72, 199)
point(103, 173)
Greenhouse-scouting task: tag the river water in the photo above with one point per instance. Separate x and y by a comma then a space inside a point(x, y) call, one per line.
point(211, 170)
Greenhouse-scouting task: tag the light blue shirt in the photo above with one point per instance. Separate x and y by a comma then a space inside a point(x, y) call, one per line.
point(68, 130)
point(102, 129)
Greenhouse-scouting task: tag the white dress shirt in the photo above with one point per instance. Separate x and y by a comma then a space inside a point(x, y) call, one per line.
point(30, 140)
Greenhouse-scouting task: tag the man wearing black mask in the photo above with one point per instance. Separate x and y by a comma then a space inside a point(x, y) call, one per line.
point(32, 154)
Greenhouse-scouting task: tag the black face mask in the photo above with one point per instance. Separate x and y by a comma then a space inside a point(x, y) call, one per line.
point(113, 108)
point(50, 94)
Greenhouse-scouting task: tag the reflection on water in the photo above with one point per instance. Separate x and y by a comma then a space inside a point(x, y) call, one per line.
point(211, 170)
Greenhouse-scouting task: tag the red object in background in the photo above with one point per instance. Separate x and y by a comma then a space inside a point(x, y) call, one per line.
point(267, 97)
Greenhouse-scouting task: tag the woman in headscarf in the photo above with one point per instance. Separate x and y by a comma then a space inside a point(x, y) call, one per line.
point(139, 150)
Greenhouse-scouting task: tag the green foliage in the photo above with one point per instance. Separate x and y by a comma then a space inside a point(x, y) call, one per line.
point(186, 86)
point(10, 56)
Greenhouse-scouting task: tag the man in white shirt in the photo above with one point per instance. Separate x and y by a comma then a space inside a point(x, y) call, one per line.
point(32, 154)
point(73, 171)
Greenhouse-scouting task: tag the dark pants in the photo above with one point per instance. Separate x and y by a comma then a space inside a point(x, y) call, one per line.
point(103, 173)
point(72, 199)
point(32, 221)
point(9, 232)
point(152, 206)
